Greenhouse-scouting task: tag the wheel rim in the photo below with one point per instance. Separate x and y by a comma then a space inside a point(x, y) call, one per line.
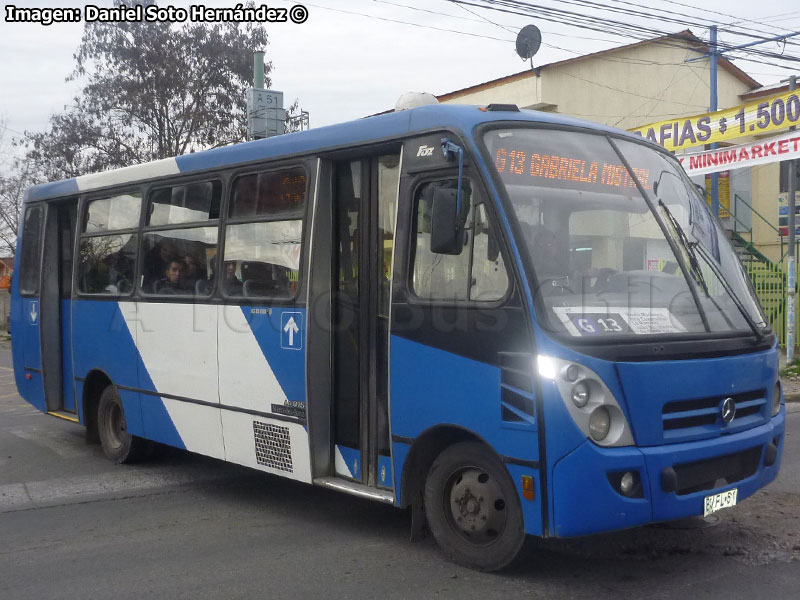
point(475, 506)
point(114, 425)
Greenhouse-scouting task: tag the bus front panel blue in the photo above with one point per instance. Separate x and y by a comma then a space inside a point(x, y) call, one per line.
point(684, 451)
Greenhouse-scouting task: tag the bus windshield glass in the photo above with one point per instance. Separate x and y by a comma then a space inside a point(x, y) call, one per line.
point(609, 261)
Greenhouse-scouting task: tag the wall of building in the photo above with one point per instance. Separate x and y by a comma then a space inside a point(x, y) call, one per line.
point(766, 188)
point(628, 87)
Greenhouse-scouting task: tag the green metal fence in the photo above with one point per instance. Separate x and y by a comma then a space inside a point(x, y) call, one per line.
point(769, 278)
point(769, 281)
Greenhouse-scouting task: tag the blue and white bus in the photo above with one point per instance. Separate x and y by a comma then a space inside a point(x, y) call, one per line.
point(514, 323)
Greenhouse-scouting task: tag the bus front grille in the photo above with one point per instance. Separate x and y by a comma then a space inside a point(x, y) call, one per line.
point(704, 415)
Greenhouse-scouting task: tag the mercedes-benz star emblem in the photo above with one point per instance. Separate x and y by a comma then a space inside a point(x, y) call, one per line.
point(728, 410)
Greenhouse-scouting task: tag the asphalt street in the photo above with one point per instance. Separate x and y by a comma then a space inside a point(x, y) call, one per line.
point(181, 526)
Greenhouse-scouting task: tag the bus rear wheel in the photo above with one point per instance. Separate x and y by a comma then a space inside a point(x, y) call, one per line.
point(118, 445)
point(473, 508)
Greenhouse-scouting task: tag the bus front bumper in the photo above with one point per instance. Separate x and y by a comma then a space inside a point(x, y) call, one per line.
point(674, 479)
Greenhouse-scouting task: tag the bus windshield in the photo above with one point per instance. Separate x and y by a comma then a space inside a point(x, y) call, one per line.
point(609, 261)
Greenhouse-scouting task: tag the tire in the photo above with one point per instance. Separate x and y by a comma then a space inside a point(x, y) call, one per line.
point(473, 508)
point(118, 445)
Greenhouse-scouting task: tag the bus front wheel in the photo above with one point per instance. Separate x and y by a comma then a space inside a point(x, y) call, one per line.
point(118, 445)
point(473, 508)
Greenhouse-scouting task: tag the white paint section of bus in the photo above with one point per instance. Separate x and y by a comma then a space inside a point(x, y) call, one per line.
point(340, 464)
point(199, 426)
point(246, 379)
point(158, 168)
point(276, 447)
point(178, 345)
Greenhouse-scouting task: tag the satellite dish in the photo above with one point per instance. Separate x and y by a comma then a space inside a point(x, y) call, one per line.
point(529, 39)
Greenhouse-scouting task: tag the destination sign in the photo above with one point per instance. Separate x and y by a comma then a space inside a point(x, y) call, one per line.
point(548, 169)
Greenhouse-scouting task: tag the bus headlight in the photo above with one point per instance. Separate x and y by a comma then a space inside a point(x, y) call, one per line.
point(580, 394)
point(590, 403)
point(776, 399)
point(599, 423)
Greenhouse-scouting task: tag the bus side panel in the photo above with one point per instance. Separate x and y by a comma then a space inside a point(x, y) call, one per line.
point(431, 387)
point(26, 347)
point(177, 349)
point(102, 341)
point(68, 378)
point(262, 371)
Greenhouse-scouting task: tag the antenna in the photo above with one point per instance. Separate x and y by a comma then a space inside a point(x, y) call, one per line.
point(529, 39)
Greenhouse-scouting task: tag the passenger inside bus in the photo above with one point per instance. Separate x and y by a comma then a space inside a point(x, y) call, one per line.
point(231, 284)
point(173, 280)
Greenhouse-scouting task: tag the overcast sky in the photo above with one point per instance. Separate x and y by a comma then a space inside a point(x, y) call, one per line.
point(355, 57)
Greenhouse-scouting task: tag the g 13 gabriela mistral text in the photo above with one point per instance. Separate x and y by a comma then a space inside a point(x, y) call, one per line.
point(152, 13)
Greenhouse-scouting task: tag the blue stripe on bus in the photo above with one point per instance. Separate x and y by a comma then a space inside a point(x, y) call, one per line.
point(65, 187)
point(286, 362)
point(102, 341)
point(462, 118)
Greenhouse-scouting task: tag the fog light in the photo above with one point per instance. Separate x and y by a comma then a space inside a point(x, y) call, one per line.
point(580, 394)
point(599, 423)
point(627, 483)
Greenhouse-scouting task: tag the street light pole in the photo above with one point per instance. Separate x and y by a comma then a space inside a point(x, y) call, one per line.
point(791, 267)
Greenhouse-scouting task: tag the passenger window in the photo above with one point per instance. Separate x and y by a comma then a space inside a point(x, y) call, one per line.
point(478, 273)
point(106, 264)
point(179, 261)
point(31, 251)
point(262, 258)
point(113, 213)
point(269, 194)
point(189, 203)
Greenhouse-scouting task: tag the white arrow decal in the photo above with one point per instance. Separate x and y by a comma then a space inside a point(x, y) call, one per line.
point(291, 328)
point(33, 312)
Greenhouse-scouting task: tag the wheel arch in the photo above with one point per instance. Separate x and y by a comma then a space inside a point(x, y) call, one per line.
point(96, 381)
point(424, 450)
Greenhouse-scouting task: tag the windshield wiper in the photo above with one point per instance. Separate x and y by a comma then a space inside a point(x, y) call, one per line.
point(690, 248)
point(687, 246)
point(758, 331)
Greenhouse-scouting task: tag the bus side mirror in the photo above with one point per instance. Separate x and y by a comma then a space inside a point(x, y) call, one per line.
point(447, 226)
point(700, 190)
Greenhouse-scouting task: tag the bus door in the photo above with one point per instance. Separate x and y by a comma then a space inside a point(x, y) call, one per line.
point(55, 321)
point(364, 195)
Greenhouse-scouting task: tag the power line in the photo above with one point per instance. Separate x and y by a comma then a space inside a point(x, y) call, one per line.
point(401, 22)
point(599, 23)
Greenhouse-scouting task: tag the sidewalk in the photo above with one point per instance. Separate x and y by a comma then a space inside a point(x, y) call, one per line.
point(791, 388)
point(791, 384)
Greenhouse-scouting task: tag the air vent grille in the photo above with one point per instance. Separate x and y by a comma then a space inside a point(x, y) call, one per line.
point(273, 446)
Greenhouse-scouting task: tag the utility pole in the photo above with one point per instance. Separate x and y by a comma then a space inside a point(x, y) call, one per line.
point(791, 267)
point(713, 54)
point(712, 106)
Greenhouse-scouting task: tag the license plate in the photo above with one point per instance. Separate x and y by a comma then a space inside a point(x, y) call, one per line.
point(719, 501)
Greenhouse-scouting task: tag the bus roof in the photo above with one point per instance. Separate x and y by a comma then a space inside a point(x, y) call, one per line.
point(462, 118)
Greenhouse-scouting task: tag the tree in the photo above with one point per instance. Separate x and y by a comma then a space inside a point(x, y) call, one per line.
point(12, 187)
point(152, 90)
point(12, 190)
